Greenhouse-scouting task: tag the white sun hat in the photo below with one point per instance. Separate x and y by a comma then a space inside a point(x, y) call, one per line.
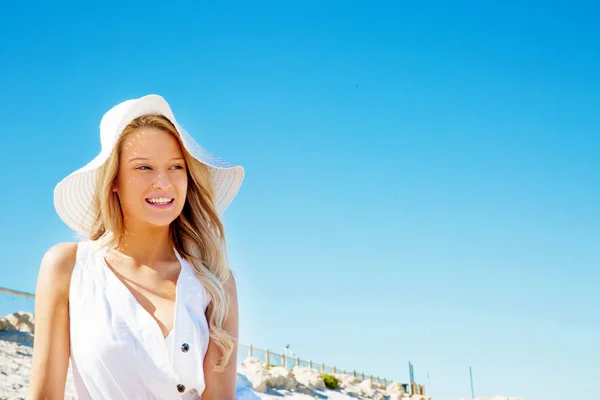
point(73, 195)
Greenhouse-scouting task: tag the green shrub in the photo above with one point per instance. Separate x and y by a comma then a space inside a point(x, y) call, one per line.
point(331, 382)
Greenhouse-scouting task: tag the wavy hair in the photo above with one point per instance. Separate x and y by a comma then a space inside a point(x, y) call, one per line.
point(197, 233)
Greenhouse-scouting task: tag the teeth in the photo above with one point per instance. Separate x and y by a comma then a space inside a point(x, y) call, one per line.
point(160, 200)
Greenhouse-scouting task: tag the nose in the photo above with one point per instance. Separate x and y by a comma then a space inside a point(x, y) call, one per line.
point(162, 181)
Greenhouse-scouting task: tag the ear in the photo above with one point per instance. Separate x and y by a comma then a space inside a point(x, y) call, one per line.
point(113, 187)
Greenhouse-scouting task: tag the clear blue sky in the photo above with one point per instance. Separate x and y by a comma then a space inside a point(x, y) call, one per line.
point(422, 177)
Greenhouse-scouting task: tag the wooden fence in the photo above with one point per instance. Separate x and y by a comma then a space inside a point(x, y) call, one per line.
point(272, 359)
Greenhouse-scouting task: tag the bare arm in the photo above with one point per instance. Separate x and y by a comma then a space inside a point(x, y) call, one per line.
point(222, 385)
point(51, 343)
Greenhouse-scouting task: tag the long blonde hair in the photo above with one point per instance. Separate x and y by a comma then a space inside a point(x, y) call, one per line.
point(197, 233)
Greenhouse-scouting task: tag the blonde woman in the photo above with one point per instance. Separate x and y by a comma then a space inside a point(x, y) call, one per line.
point(144, 306)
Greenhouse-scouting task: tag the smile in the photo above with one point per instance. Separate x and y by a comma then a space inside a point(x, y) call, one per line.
point(160, 201)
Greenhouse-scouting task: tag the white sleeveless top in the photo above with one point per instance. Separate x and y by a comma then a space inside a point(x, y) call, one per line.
point(117, 348)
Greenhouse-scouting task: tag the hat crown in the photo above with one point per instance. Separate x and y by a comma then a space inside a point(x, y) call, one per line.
point(117, 118)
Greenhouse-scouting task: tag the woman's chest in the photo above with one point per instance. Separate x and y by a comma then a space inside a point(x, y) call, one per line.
point(155, 294)
point(113, 330)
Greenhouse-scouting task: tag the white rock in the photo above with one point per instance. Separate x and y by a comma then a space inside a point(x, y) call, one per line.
point(5, 325)
point(365, 388)
point(395, 388)
point(366, 384)
point(253, 362)
point(256, 372)
point(281, 378)
point(347, 380)
point(308, 377)
point(22, 321)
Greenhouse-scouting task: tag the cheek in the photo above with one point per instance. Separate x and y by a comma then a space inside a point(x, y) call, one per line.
point(133, 185)
point(141, 181)
point(180, 182)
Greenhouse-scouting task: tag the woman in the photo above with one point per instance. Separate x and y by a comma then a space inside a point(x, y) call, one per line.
point(146, 306)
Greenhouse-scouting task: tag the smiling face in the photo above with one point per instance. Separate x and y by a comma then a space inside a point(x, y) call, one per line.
point(151, 179)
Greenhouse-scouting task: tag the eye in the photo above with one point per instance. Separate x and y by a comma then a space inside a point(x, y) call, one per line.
point(143, 168)
point(178, 166)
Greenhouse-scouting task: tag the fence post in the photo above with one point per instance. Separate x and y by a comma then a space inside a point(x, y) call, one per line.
point(267, 357)
point(371, 379)
point(354, 373)
point(385, 382)
point(322, 367)
point(363, 376)
point(310, 364)
point(250, 351)
point(334, 370)
point(297, 361)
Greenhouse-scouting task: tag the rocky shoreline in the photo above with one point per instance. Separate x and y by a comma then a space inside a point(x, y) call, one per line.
point(16, 341)
point(270, 383)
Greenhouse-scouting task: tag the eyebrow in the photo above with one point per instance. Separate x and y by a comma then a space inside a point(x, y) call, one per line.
point(147, 159)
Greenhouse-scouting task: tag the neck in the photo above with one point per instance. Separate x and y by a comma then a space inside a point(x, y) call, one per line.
point(146, 245)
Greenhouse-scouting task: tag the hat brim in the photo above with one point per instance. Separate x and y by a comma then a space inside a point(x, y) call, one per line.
point(74, 194)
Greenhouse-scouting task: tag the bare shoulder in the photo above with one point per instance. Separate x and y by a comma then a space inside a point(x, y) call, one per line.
point(57, 266)
point(60, 258)
point(61, 253)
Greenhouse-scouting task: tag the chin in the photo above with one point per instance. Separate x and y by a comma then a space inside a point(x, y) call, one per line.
point(161, 222)
point(161, 218)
